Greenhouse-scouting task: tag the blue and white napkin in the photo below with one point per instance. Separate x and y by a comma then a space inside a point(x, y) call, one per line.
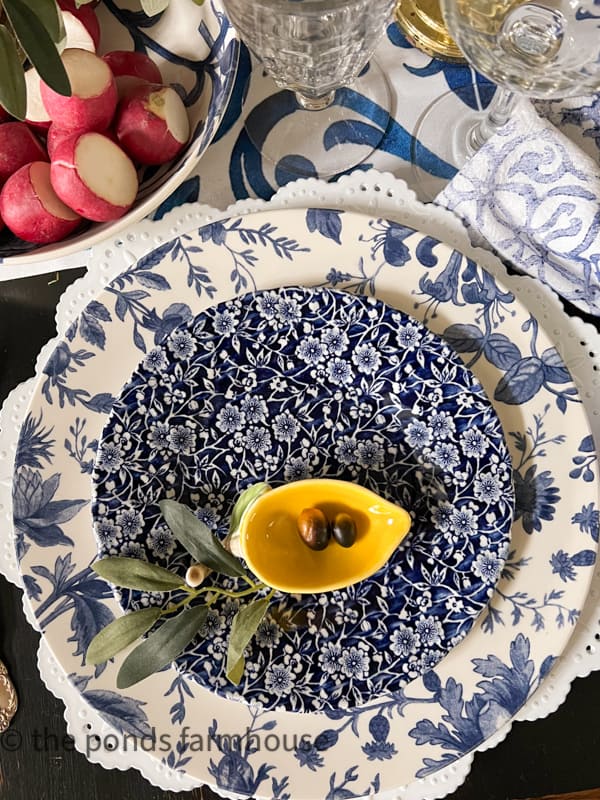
point(533, 196)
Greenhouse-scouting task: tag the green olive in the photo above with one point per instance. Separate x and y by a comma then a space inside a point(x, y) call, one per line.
point(313, 528)
point(343, 529)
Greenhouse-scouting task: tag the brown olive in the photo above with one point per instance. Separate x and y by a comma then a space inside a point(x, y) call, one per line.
point(343, 529)
point(313, 528)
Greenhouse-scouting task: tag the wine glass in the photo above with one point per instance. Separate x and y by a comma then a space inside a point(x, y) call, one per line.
point(422, 23)
point(542, 49)
point(310, 49)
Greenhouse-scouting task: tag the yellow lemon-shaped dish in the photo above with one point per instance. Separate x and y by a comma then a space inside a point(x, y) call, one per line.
point(268, 538)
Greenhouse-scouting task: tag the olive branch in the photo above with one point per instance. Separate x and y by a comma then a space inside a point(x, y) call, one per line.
point(182, 621)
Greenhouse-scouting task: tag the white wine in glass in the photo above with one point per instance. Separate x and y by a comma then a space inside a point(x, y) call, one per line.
point(543, 49)
point(422, 23)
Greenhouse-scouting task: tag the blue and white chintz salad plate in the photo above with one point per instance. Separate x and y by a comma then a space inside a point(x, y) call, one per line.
point(197, 51)
point(485, 679)
point(284, 385)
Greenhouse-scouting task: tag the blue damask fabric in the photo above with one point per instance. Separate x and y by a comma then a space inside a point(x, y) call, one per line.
point(533, 196)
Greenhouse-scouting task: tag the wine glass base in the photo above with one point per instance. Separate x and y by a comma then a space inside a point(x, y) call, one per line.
point(444, 128)
point(323, 143)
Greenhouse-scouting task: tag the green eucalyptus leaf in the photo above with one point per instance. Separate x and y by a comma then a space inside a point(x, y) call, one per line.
point(38, 45)
point(236, 673)
point(49, 15)
point(153, 7)
point(161, 647)
point(13, 92)
point(119, 634)
point(243, 503)
point(244, 626)
point(132, 573)
point(198, 540)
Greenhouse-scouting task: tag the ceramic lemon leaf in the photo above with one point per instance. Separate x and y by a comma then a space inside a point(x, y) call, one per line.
point(161, 647)
point(244, 626)
point(244, 501)
point(198, 540)
point(119, 634)
point(132, 573)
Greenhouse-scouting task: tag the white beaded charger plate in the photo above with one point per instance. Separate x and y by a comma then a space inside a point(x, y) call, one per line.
point(485, 680)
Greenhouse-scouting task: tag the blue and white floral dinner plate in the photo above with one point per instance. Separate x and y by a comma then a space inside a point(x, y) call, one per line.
point(468, 695)
point(283, 385)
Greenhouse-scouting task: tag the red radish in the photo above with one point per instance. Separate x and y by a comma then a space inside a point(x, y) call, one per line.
point(31, 209)
point(57, 135)
point(18, 146)
point(36, 115)
point(131, 69)
point(93, 99)
point(82, 31)
point(83, 16)
point(4, 115)
point(91, 174)
point(152, 124)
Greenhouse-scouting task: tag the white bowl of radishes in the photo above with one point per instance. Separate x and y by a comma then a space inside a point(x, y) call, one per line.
point(147, 97)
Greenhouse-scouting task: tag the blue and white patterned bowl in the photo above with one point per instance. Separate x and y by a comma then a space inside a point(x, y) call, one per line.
point(295, 383)
point(197, 51)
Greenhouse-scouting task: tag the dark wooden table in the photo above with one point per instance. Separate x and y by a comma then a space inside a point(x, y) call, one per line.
point(557, 755)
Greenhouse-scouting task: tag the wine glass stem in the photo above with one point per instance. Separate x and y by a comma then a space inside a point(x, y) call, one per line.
point(498, 113)
point(315, 103)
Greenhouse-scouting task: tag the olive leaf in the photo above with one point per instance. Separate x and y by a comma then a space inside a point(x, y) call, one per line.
point(38, 45)
point(198, 540)
point(13, 92)
point(244, 626)
point(49, 15)
point(132, 573)
point(161, 647)
point(244, 501)
point(120, 633)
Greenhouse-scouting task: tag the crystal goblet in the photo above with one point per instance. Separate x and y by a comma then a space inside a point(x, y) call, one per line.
point(311, 49)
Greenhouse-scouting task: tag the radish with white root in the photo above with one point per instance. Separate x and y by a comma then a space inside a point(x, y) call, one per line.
point(57, 135)
point(93, 99)
point(152, 124)
point(82, 31)
point(131, 69)
point(30, 208)
point(81, 26)
point(93, 176)
point(18, 146)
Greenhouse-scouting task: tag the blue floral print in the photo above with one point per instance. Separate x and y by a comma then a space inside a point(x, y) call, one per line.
point(386, 388)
